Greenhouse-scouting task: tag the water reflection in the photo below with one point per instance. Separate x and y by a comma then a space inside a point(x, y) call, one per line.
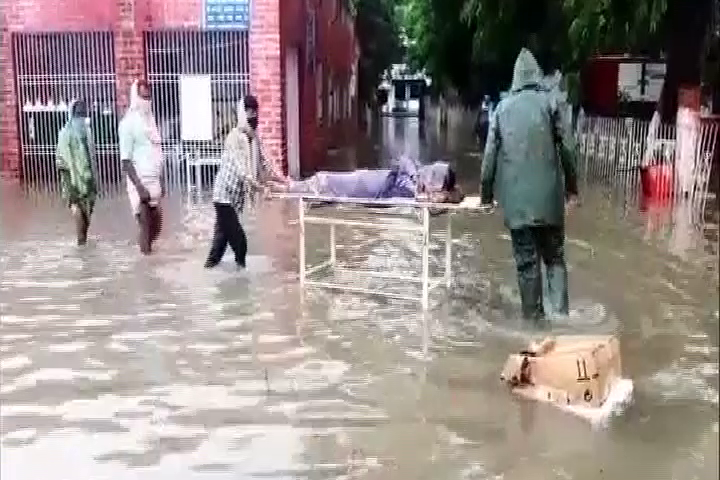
point(682, 225)
point(116, 366)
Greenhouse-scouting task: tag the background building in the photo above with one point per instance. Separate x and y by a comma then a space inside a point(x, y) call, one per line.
point(298, 57)
point(622, 85)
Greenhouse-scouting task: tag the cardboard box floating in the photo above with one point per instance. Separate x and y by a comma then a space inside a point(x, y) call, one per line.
point(579, 374)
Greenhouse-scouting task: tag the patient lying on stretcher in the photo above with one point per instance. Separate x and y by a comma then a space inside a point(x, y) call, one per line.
point(434, 183)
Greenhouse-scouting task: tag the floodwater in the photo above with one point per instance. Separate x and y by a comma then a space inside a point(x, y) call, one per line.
point(121, 367)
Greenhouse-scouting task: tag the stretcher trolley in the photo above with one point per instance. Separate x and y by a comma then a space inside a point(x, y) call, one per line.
point(383, 215)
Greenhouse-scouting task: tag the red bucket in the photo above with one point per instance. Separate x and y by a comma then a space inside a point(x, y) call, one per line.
point(657, 181)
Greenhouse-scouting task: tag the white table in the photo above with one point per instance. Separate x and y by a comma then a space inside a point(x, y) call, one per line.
point(379, 220)
point(193, 166)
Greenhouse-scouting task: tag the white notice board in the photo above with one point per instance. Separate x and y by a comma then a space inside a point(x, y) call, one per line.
point(630, 80)
point(195, 107)
point(655, 75)
point(639, 85)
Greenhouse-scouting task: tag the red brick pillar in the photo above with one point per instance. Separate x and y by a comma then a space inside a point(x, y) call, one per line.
point(129, 49)
point(9, 134)
point(266, 70)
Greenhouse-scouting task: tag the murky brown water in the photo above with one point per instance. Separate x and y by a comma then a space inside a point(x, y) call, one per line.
point(115, 366)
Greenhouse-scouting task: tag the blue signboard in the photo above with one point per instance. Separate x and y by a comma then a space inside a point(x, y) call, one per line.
point(227, 14)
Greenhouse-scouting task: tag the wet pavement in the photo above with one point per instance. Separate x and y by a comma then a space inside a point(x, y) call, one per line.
point(117, 366)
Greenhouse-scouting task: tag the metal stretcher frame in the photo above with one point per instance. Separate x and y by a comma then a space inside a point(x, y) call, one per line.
point(380, 208)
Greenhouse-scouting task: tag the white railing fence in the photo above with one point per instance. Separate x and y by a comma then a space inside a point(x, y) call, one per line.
point(51, 70)
point(54, 68)
point(221, 56)
point(611, 151)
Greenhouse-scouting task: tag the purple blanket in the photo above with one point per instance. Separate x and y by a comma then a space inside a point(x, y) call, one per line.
point(357, 184)
point(404, 180)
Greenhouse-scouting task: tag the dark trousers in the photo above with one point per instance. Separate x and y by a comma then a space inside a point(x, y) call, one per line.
point(530, 245)
point(150, 223)
point(227, 231)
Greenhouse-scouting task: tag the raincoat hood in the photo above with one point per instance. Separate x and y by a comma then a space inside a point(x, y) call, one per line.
point(527, 72)
point(78, 125)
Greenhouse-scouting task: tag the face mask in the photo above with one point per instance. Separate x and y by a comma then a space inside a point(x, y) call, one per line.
point(253, 122)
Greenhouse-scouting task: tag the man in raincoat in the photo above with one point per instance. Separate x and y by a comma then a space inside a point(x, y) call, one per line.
point(529, 162)
point(75, 162)
point(243, 170)
point(142, 159)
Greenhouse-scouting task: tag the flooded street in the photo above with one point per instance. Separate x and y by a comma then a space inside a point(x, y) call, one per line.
point(121, 367)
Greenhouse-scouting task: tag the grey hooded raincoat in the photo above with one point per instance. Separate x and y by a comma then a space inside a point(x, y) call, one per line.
point(529, 155)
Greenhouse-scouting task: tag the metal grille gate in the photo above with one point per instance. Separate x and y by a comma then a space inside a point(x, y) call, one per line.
point(221, 54)
point(53, 69)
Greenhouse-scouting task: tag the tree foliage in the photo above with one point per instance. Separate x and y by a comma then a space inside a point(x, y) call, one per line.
point(378, 32)
point(441, 43)
point(677, 29)
point(457, 39)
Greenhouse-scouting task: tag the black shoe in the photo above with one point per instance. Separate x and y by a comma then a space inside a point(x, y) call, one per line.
point(241, 265)
point(211, 264)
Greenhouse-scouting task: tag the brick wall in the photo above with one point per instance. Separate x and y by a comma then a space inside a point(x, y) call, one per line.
point(46, 15)
point(132, 16)
point(176, 13)
point(334, 52)
point(29, 16)
point(9, 146)
point(266, 75)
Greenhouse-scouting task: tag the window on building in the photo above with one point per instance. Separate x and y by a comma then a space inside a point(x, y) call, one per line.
point(335, 100)
point(349, 94)
point(221, 54)
point(331, 99)
point(341, 101)
point(415, 90)
point(346, 100)
point(319, 94)
point(400, 90)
